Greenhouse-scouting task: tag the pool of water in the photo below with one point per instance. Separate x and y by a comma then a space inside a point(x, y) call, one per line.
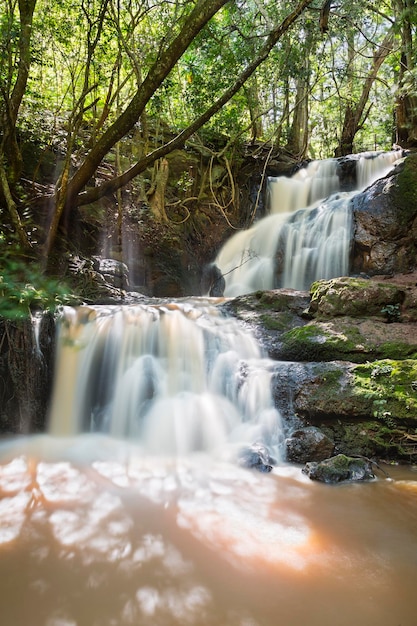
point(94, 533)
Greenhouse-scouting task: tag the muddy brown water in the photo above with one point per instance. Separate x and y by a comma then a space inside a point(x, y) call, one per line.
point(109, 537)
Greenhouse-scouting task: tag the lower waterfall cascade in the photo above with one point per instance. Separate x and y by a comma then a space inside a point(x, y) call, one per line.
point(306, 235)
point(176, 377)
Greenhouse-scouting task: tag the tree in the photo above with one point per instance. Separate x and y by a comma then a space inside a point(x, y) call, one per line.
point(167, 59)
point(298, 135)
point(406, 105)
point(356, 112)
point(13, 77)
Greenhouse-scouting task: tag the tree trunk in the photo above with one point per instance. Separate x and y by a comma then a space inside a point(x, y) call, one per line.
point(297, 143)
point(355, 114)
point(13, 99)
point(406, 102)
point(198, 18)
point(255, 109)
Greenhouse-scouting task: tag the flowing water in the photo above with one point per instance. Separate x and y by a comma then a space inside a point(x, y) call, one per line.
point(135, 510)
point(177, 377)
point(306, 235)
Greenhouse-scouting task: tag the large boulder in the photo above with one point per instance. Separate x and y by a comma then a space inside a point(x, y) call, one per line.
point(385, 223)
point(308, 444)
point(354, 297)
point(338, 469)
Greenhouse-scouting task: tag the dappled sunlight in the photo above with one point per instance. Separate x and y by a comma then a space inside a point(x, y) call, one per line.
point(194, 540)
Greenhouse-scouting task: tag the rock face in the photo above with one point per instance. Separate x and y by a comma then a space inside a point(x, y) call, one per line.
point(385, 223)
point(346, 362)
point(338, 469)
point(308, 444)
point(26, 352)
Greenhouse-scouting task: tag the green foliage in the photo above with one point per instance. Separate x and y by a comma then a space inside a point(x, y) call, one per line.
point(24, 288)
point(95, 77)
point(391, 312)
point(389, 385)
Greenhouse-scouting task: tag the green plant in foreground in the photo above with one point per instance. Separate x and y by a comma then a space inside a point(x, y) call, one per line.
point(24, 288)
point(392, 312)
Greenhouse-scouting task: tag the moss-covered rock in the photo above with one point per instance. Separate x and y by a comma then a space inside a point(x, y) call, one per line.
point(351, 339)
point(373, 439)
point(345, 364)
point(391, 386)
point(354, 297)
point(338, 469)
point(405, 191)
point(270, 314)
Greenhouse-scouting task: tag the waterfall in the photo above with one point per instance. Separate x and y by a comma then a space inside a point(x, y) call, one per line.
point(174, 377)
point(306, 235)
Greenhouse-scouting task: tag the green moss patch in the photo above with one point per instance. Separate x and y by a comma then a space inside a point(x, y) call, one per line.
point(405, 193)
point(391, 386)
point(373, 439)
point(321, 342)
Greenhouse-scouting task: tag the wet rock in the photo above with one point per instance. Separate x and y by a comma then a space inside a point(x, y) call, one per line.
point(256, 456)
point(385, 223)
point(114, 272)
point(212, 281)
point(308, 444)
point(338, 469)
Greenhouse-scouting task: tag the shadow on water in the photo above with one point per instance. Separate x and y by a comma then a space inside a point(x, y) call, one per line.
point(95, 532)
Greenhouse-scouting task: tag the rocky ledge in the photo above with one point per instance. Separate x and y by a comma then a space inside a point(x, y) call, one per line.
point(345, 364)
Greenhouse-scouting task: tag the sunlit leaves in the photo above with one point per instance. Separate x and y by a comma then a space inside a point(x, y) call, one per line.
point(23, 286)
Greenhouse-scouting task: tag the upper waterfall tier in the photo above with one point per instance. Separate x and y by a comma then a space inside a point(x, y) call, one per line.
point(306, 235)
point(176, 377)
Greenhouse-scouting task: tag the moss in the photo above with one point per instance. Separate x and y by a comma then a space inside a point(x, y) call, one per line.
point(372, 439)
point(354, 297)
point(277, 321)
point(406, 190)
point(316, 342)
point(333, 377)
point(397, 350)
point(391, 386)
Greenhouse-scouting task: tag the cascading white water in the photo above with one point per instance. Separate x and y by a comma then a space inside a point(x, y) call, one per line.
point(176, 378)
point(316, 181)
point(307, 235)
point(374, 165)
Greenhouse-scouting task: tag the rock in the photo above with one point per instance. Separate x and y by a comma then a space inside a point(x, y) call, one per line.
point(257, 457)
point(356, 297)
point(269, 314)
point(338, 469)
point(212, 281)
point(114, 272)
point(308, 444)
point(385, 223)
